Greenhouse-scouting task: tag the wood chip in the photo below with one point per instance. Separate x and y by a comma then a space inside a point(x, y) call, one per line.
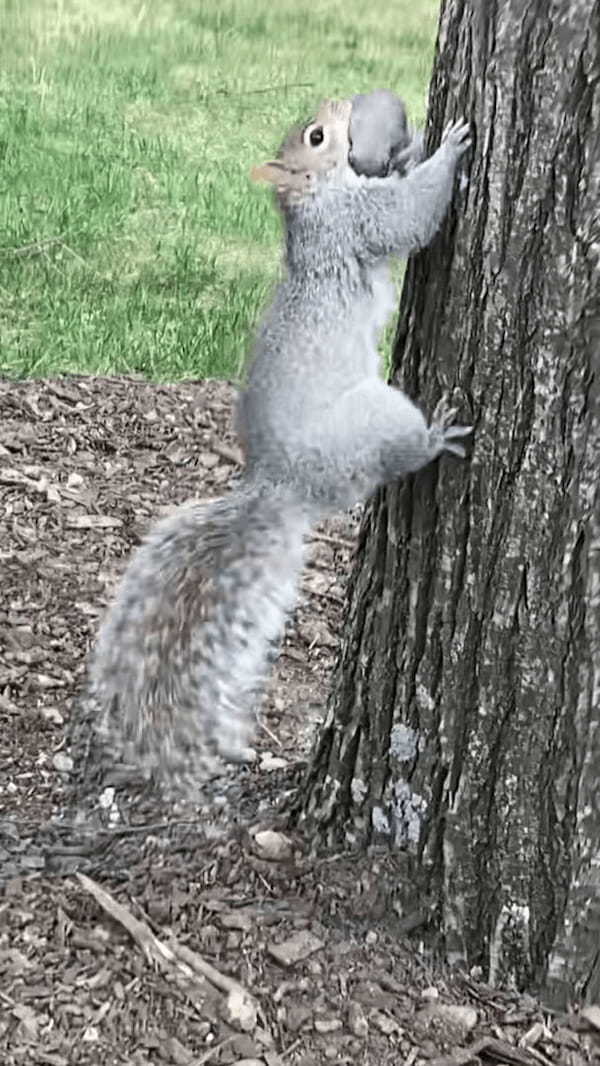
point(592, 1015)
point(94, 521)
point(295, 949)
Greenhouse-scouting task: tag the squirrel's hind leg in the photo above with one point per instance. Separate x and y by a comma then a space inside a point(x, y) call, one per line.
point(379, 434)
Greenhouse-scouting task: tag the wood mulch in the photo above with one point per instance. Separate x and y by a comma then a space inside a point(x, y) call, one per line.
point(211, 947)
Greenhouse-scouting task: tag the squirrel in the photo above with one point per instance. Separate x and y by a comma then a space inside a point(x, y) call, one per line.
point(382, 139)
point(180, 656)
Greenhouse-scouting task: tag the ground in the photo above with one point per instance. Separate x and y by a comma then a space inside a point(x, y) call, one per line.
point(318, 944)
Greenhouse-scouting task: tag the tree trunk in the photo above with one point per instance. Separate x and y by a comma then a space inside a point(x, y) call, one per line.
point(464, 725)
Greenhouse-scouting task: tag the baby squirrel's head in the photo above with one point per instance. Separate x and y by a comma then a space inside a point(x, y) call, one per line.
point(310, 154)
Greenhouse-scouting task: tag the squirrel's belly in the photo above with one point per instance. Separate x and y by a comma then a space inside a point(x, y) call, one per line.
point(384, 296)
point(372, 315)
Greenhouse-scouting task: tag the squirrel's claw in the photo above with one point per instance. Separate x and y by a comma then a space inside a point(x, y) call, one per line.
point(441, 425)
point(457, 135)
point(457, 431)
point(443, 413)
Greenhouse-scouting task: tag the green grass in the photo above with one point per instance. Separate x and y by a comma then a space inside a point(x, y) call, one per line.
point(131, 239)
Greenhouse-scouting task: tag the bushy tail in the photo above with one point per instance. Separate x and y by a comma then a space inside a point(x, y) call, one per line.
point(185, 644)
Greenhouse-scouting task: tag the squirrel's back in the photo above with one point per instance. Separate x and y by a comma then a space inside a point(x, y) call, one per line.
point(317, 340)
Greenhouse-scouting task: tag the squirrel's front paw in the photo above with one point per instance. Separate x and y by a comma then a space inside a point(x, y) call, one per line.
point(407, 158)
point(444, 434)
point(456, 137)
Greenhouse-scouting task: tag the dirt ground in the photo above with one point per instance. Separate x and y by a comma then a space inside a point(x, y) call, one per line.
point(217, 948)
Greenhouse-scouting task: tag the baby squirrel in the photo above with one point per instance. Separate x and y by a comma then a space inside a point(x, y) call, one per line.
point(382, 139)
point(182, 652)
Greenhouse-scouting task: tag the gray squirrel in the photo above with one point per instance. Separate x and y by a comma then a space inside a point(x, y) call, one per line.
point(182, 652)
point(381, 138)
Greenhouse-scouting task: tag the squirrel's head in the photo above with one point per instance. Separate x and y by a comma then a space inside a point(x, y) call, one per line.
point(310, 154)
point(378, 131)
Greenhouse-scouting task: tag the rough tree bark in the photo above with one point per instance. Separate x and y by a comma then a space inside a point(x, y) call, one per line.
point(464, 726)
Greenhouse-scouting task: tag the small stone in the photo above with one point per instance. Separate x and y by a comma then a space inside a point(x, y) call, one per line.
point(430, 994)
point(241, 1010)
point(357, 1023)
point(62, 763)
point(275, 847)
point(270, 762)
point(107, 798)
point(52, 714)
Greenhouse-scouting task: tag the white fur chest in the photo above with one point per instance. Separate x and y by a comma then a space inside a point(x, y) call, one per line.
point(384, 295)
point(376, 307)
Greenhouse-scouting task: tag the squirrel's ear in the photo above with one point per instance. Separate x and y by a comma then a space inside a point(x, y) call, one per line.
point(291, 184)
point(275, 173)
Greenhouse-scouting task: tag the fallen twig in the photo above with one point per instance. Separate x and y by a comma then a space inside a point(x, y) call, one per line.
point(214, 1050)
point(322, 594)
point(339, 542)
point(232, 455)
point(185, 965)
point(34, 247)
point(257, 92)
point(266, 730)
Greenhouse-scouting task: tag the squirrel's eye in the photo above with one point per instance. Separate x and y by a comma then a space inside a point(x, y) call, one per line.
point(316, 136)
